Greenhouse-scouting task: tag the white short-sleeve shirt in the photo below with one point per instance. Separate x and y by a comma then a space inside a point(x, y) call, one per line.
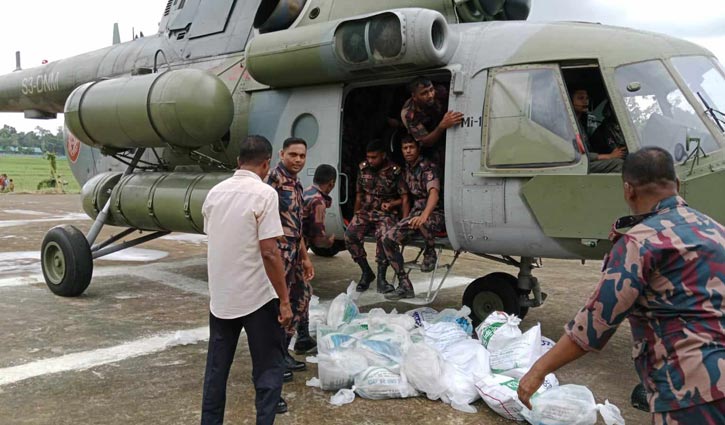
point(238, 213)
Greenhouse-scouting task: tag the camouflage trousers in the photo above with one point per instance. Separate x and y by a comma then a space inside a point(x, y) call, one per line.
point(402, 231)
point(359, 227)
point(300, 291)
point(705, 414)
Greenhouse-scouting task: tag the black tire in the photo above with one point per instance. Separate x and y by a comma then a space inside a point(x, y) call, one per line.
point(495, 291)
point(67, 261)
point(329, 252)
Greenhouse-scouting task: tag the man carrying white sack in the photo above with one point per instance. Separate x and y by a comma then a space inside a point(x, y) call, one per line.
point(666, 274)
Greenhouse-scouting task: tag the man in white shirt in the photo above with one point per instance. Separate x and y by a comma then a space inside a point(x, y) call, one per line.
point(246, 284)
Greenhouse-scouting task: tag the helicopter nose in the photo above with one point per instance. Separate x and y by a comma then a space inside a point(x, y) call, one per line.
point(702, 190)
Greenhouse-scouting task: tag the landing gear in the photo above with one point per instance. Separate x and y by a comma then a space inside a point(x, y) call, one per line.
point(67, 255)
point(66, 261)
point(504, 292)
point(493, 292)
point(329, 252)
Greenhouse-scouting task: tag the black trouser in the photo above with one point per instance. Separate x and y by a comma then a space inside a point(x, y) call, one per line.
point(266, 345)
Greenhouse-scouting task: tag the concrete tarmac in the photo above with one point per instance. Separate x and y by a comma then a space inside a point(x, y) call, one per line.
point(132, 348)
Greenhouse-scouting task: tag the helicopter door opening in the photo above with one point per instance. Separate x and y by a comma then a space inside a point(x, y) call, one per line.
point(599, 127)
point(370, 113)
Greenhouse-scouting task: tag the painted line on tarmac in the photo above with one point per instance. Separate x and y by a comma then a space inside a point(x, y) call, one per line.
point(174, 280)
point(89, 359)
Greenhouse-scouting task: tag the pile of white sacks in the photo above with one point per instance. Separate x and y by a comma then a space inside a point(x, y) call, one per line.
point(382, 355)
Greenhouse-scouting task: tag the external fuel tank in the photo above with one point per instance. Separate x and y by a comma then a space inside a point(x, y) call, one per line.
point(151, 201)
point(186, 108)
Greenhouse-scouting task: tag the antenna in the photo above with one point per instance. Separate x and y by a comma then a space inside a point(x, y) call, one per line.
point(17, 61)
point(116, 34)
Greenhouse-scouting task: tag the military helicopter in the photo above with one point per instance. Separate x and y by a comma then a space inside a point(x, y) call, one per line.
point(152, 124)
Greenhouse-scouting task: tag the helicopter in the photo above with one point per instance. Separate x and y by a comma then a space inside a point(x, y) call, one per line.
point(152, 124)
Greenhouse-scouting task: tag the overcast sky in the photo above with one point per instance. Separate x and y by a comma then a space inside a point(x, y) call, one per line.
point(52, 30)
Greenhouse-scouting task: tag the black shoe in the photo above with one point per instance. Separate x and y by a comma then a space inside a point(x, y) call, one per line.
point(293, 365)
point(383, 286)
point(639, 398)
point(305, 345)
point(281, 406)
point(287, 376)
point(404, 290)
point(366, 277)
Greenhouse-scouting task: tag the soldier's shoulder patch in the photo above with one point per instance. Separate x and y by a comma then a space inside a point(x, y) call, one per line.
point(397, 170)
point(364, 165)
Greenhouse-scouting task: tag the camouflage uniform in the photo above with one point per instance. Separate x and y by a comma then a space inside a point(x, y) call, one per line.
point(376, 187)
point(421, 121)
point(420, 179)
point(313, 218)
point(290, 212)
point(667, 275)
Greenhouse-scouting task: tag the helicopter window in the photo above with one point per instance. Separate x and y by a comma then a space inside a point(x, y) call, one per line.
point(528, 120)
point(659, 110)
point(704, 78)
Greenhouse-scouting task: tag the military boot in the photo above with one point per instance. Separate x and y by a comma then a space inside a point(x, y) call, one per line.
point(289, 362)
point(639, 398)
point(366, 277)
point(383, 286)
point(304, 344)
point(429, 260)
point(404, 290)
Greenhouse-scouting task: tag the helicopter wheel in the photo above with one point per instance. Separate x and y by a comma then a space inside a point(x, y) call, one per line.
point(329, 252)
point(66, 261)
point(493, 292)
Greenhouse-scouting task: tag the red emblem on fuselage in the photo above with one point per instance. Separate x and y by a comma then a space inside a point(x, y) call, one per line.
point(72, 147)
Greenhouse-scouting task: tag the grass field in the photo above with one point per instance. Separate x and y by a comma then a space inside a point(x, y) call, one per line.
point(28, 171)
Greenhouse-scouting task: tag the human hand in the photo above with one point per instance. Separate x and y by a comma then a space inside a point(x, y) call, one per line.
point(418, 221)
point(528, 385)
point(285, 314)
point(308, 270)
point(331, 240)
point(450, 119)
point(618, 152)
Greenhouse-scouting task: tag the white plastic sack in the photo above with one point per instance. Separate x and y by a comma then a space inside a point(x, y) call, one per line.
point(379, 383)
point(460, 317)
point(378, 318)
point(466, 363)
point(338, 368)
point(443, 334)
point(422, 314)
point(342, 397)
point(318, 314)
point(570, 405)
point(381, 353)
point(342, 310)
point(423, 367)
point(521, 352)
point(498, 330)
point(546, 344)
point(550, 380)
point(332, 341)
point(499, 393)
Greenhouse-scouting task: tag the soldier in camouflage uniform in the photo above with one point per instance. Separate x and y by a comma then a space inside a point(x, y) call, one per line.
point(667, 275)
point(298, 267)
point(316, 202)
point(380, 192)
point(425, 117)
point(423, 184)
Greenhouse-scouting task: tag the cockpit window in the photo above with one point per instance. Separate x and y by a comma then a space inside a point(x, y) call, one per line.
point(659, 110)
point(528, 121)
point(705, 79)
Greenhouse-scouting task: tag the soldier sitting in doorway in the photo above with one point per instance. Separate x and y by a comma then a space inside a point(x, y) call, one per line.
point(317, 200)
point(423, 182)
point(380, 193)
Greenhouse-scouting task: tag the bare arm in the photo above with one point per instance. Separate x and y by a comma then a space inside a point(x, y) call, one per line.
point(565, 351)
point(450, 119)
point(358, 202)
point(307, 269)
point(406, 204)
point(274, 268)
point(430, 205)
